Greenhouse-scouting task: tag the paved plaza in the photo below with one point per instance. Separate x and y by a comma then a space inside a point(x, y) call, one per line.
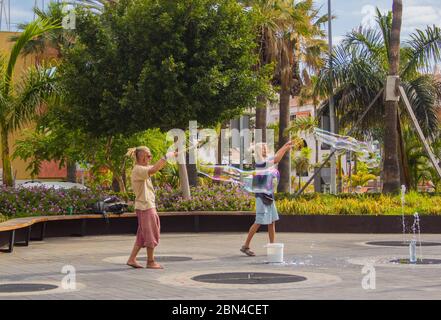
point(334, 266)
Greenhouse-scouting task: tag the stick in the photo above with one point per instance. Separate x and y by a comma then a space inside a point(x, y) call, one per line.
point(419, 131)
point(334, 151)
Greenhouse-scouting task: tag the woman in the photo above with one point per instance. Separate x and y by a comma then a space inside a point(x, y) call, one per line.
point(147, 235)
point(266, 211)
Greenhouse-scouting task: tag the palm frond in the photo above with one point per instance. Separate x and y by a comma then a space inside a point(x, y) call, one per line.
point(32, 31)
point(384, 21)
point(368, 42)
point(424, 94)
point(34, 90)
point(424, 50)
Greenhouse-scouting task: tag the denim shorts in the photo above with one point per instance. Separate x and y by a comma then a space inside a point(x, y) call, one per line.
point(265, 214)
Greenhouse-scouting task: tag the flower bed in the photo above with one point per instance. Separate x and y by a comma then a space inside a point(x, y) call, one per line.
point(216, 197)
point(22, 202)
point(41, 201)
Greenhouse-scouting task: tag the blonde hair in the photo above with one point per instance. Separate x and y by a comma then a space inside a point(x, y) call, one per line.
point(258, 151)
point(134, 152)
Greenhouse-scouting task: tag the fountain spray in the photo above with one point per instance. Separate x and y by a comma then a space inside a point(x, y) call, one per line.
point(403, 202)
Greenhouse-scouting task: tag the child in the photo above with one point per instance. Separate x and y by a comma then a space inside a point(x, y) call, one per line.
point(266, 211)
point(148, 220)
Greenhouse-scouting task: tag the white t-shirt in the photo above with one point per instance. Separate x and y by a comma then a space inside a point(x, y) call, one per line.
point(143, 188)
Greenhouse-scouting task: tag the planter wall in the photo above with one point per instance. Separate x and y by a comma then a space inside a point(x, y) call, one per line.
point(223, 222)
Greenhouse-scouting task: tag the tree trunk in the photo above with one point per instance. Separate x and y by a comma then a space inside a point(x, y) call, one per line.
point(6, 160)
point(339, 175)
point(283, 124)
point(71, 171)
point(192, 175)
point(119, 182)
point(391, 166)
point(183, 181)
point(183, 176)
point(261, 116)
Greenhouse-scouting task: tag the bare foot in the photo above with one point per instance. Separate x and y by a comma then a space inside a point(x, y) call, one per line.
point(134, 264)
point(153, 265)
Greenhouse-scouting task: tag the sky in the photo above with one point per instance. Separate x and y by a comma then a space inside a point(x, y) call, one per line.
point(349, 13)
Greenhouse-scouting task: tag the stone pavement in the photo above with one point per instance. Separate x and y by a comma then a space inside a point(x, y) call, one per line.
point(331, 263)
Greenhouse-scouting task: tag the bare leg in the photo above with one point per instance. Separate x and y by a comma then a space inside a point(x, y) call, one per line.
point(251, 233)
point(132, 259)
point(272, 232)
point(151, 264)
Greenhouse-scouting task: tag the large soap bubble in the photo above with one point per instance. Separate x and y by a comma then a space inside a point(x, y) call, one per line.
point(368, 153)
point(254, 181)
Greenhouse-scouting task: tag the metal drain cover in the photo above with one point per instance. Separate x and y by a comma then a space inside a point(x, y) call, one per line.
point(25, 287)
point(248, 278)
point(422, 262)
point(401, 243)
point(168, 258)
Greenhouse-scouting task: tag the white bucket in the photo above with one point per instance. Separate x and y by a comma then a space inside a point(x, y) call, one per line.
point(274, 252)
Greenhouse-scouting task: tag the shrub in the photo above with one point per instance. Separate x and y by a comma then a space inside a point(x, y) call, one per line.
point(353, 204)
point(220, 197)
point(42, 201)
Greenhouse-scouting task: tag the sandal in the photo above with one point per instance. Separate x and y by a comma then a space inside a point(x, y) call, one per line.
point(135, 265)
point(247, 251)
point(153, 265)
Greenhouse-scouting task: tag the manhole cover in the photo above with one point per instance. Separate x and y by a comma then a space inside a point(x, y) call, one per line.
point(248, 278)
point(167, 258)
point(401, 243)
point(423, 261)
point(26, 287)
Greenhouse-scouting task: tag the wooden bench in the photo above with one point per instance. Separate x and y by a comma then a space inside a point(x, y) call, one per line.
point(13, 225)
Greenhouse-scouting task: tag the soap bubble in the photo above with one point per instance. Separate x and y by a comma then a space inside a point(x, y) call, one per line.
point(254, 181)
point(369, 153)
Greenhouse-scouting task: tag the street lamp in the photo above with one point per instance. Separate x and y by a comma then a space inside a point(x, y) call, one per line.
point(331, 100)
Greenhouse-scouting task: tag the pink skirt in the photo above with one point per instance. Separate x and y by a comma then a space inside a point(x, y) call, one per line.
point(148, 228)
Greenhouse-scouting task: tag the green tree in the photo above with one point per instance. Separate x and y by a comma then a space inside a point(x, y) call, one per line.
point(301, 163)
point(20, 99)
point(361, 64)
point(53, 140)
point(146, 64)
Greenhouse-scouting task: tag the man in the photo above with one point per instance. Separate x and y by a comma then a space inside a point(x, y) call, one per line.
point(147, 235)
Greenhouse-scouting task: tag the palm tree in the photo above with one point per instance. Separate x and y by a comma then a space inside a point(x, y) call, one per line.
point(269, 17)
point(300, 40)
point(360, 66)
point(55, 39)
point(391, 173)
point(19, 101)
